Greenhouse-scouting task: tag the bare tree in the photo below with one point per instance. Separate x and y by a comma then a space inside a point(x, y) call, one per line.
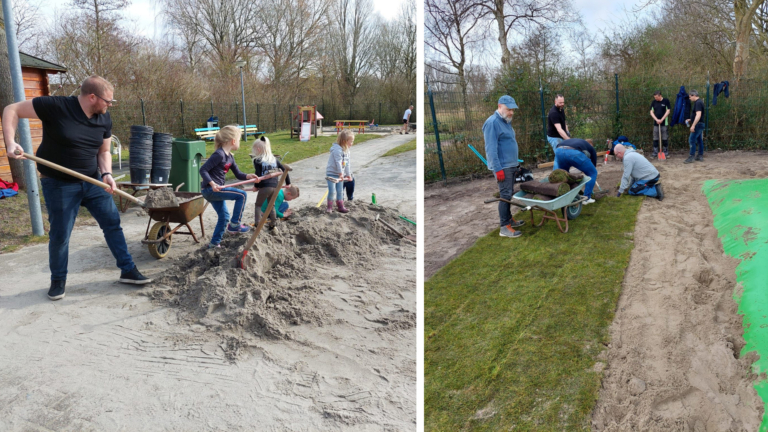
point(227, 28)
point(354, 35)
point(102, 15)
point(583, 43)
point(292, 30)
point(745, 17)
point(451, 34)
point(26, 15)
point(522, 16)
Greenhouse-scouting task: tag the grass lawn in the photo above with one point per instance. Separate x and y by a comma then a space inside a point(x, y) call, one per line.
point(410, 145)
point(513, 327)
point(15, 225)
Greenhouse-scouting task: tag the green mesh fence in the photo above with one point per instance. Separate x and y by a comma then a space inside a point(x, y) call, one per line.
point(598, 111)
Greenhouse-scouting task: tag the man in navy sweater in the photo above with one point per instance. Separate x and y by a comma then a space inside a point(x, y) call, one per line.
point(501, 151)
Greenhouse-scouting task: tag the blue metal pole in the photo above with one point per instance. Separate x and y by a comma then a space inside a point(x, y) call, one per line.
point(25, 139)
point(437, 132)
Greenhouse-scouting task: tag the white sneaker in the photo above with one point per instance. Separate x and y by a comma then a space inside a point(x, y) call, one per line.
point(589, 201)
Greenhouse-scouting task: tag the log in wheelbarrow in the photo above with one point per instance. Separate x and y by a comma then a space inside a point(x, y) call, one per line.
point(158, 238)
point(570, 204)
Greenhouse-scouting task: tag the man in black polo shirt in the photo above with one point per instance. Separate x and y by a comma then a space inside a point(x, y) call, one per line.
point(660, 113)
point(557, 128)
point(697, 128)
point(77, 132)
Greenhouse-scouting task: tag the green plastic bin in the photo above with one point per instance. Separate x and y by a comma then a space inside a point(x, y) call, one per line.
point(185, 163)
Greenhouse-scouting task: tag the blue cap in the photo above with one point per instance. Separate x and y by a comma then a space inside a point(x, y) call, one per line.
point(508, 102)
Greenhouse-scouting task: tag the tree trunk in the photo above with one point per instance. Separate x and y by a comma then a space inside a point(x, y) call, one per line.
point(744, 14)
point(498, 15)
point(6, 98)
point(464, 101)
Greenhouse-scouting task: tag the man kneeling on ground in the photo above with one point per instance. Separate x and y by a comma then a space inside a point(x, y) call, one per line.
point(578, 153)
point(639, 173)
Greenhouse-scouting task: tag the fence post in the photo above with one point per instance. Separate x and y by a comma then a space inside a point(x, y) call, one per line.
point(183, 130)
point(237, 114)
point(617, 123)
point(544, 118)
point(437, 133)
point(380, 122)
point(706, 117)
point(257, 116)
point(143, 115)
point(275, 109)
point(211, 107)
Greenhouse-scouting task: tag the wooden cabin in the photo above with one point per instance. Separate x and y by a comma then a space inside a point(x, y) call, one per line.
point(35, 73)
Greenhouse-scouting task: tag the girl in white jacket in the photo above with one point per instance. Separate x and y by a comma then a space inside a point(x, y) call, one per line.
point(339, 170)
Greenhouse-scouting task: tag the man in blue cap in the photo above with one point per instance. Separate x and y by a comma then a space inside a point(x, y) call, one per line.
point(501, 151)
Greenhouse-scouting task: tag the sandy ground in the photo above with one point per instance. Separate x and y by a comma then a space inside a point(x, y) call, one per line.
point(673, 363)
point(108, 357)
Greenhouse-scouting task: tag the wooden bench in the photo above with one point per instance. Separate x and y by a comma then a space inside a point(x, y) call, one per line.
point(351, 124)
point(210, 133)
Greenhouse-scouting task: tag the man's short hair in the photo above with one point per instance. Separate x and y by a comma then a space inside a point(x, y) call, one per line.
point(97, 85)
point(657, 93)
point(693, 93)
point(558, 96)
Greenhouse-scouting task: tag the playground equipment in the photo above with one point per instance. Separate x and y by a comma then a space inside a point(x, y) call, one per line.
point(305, 121)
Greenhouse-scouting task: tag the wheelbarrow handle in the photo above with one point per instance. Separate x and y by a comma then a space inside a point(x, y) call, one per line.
point(80, 176)
point(493, 200)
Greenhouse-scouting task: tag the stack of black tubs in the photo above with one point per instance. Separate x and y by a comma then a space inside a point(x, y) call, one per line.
point(140, 158)
point(161, 157)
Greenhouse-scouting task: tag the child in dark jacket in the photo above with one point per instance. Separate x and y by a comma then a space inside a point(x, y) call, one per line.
point(264, 162)
point(213, 172)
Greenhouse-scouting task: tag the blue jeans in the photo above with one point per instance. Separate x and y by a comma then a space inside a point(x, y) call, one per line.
point(554, 142)
point(217, 202)
point(696, 138)
point(506, 188)
point(283, 207)
point(63, 201)
point(644, 187)
point(349, 186)
point(567, 158)
point(335, 190)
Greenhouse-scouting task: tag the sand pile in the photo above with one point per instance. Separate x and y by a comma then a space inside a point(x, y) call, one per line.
point(287, 269)
point(161, 198)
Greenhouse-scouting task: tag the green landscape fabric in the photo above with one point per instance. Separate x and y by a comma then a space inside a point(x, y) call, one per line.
point(740, 208)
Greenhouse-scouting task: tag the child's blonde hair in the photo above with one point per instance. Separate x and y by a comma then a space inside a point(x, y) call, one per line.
point(345, 139)
point(226, 135)
point(263, 150)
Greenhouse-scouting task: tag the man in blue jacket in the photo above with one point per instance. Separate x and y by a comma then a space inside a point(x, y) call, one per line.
point(501, 151)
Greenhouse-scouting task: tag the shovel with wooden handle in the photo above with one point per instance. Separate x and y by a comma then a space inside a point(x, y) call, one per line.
point(241, 261)
point(82, 177)
point(410, 237)
point(662, 156)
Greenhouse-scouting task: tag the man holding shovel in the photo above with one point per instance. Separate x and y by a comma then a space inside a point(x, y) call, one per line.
point(660, 111)
point(501, 150)
point(77, 132)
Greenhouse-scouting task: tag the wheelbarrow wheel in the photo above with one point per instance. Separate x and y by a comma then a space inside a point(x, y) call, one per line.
point(158, 231)
point(573, 212)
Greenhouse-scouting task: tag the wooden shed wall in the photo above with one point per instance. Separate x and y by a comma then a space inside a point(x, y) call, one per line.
point(35, 84)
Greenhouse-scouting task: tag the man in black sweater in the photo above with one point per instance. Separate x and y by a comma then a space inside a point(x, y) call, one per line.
point(77, 133)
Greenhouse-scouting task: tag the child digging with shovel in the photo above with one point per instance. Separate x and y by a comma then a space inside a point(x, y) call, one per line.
point(213, 173)
point(338, 171)
point(264, 163)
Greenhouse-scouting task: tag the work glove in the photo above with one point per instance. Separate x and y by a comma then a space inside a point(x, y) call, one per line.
point(500, 176)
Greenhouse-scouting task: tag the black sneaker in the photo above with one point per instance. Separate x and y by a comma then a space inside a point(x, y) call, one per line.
point(700, 158)
point(659, 192)
point(57, 290)
point(689, 160)
point(133, 276)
